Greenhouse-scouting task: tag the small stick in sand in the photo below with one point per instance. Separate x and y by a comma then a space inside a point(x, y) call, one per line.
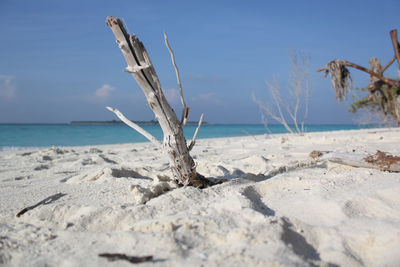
point(119, 256)
point(45, 201)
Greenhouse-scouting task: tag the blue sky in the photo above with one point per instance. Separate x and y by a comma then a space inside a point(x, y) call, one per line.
point(59, 61)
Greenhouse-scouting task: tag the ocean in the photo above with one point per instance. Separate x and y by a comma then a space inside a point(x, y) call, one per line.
point(27, 136)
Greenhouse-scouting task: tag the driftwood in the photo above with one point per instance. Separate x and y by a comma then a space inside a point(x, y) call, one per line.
point(341, 80)
point(380, 160)
point(174, 144)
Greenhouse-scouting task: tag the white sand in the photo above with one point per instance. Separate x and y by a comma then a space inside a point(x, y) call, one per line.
point(116, 200)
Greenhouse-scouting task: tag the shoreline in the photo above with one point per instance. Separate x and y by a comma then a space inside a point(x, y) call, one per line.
point(278, 206)
point(266, 135)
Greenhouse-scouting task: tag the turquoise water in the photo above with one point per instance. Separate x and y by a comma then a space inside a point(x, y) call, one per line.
point(22, 136)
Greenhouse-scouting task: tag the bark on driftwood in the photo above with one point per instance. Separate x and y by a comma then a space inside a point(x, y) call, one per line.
point(174, 143)
point(381, 160)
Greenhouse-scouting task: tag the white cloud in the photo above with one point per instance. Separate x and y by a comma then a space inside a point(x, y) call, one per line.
point(104, 91)
point(172, 95)
point(8, 89)
point(209, 98)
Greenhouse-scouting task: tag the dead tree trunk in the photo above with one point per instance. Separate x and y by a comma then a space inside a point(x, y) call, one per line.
point(174, 143)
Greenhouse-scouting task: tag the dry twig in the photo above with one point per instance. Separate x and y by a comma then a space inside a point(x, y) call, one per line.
point(185, 110)
point(45, 201)
point(120, 256)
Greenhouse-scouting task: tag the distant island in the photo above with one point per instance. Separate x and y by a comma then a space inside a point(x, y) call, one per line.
point(152, 122)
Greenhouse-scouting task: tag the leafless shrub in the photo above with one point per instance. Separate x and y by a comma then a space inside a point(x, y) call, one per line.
point(286, 111)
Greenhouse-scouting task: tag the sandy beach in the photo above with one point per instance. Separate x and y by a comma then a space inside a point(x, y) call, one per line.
point(279, 206)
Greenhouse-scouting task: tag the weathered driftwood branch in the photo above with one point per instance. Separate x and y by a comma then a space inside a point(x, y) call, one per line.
point(349, 64)
point(396, 46)
point(381, 160)
point(135, 127)
point(174, 143)
point(193, 142)
point(389, 63)
point(185, 109)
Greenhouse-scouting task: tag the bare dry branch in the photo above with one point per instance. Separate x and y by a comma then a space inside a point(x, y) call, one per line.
point(135, 126)
point(193, 142)
point(389, 63)
point(278, 100)
point(185, 111)
point(271, 113)
point(306, 66)
point(396, 46)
